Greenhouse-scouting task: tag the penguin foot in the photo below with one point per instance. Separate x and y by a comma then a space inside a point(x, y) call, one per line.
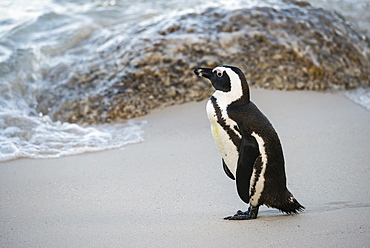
point(250, 214)
point(240, 215)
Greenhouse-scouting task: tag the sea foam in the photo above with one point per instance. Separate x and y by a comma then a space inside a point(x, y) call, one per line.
point(360, 96)
point(23, 136)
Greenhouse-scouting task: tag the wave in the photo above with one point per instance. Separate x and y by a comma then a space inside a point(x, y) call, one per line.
point(65, 62)
point(23, 136)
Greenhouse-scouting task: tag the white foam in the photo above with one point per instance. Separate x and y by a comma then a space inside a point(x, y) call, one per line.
point(360, 96)
point(23, 136)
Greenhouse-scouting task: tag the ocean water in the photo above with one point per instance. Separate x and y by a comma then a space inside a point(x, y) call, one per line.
point(36, 35)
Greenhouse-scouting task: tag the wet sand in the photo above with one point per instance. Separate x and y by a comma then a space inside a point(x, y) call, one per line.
point(171, 191)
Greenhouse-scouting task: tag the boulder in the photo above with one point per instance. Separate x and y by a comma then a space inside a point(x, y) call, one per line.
point(289, 45)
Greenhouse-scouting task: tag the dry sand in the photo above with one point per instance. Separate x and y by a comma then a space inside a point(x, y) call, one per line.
point(171, 191)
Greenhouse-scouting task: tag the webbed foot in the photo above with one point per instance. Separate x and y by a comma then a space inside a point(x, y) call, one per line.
point(250, 214)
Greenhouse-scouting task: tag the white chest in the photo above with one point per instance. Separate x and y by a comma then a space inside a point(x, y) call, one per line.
point(223, 141)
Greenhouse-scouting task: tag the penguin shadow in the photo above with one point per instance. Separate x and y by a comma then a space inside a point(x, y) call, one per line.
point(335, 205)
point(332, 206)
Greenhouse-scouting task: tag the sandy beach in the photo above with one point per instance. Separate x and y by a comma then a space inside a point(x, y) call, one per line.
point(171, 191)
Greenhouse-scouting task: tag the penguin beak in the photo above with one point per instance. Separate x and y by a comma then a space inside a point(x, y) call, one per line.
point(204, 72)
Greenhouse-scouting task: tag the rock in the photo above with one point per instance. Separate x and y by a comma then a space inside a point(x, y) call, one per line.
point(286, 45)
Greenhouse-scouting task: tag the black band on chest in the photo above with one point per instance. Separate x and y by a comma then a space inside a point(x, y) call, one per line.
point(220, 120)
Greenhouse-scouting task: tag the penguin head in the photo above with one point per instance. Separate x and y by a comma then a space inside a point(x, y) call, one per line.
point(229, 81)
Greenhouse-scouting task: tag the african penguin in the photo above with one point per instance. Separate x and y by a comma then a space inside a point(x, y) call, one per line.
point(250, 147)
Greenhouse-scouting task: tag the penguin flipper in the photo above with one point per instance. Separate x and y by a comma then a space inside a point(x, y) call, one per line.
point(248, 153)
point(227, 171)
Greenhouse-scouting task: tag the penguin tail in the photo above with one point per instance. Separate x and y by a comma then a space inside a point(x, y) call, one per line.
point(292, 207)
point(288, 204)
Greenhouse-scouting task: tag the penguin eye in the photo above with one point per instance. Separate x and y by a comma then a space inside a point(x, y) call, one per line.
point(219, 73)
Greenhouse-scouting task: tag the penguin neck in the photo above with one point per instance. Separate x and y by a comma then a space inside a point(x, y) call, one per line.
point(238, 96)
point(245, 98)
